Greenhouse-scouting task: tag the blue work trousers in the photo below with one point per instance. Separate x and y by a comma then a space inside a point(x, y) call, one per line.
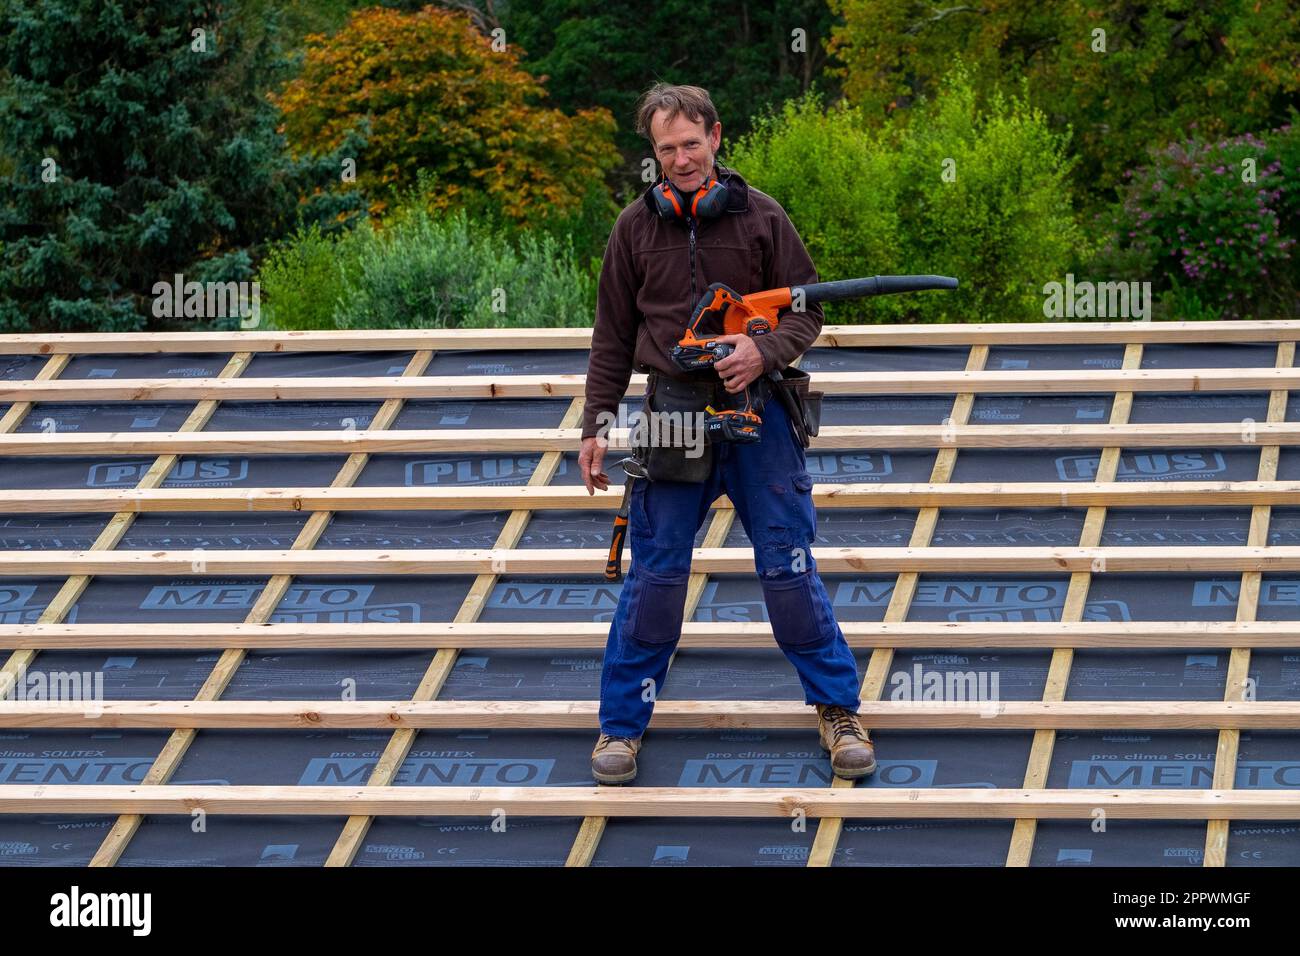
point(770, 488)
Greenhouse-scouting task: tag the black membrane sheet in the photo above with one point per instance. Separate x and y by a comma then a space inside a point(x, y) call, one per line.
point(732, 758)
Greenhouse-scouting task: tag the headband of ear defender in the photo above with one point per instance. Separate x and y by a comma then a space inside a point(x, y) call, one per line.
point(707, 202)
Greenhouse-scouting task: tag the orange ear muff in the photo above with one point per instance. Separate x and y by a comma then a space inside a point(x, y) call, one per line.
point(670, 194)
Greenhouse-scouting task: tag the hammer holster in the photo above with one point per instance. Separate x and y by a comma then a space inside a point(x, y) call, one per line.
point(802, 405)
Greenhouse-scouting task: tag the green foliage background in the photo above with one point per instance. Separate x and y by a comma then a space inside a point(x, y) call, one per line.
point(982, 195)
point(164, 160)
point(1066, 157)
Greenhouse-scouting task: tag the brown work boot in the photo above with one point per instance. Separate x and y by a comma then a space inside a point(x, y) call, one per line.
point(614, 759)
point(852, 754)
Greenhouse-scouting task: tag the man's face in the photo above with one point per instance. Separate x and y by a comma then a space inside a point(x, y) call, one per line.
point(685, 150)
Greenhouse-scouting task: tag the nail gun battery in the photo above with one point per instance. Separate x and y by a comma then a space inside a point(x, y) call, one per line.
point(732, 425)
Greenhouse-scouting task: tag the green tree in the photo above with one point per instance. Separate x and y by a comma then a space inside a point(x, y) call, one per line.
point(441, 100)
point(1123, 74)
point(750, 56)
point(139, 150)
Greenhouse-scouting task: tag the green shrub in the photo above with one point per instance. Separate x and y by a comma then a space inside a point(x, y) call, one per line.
point(420, 271)
point(835, 181)
point(1214, 242)
point(583, 228)
point(879, 203)
point(303, 279)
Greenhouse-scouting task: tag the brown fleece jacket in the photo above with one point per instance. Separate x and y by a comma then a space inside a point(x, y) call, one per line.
point(645, 299)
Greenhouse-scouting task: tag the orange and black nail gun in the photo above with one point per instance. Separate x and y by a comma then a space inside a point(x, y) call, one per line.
point(756, 314)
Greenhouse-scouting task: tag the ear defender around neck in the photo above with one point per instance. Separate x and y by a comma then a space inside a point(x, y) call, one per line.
point(707, 202)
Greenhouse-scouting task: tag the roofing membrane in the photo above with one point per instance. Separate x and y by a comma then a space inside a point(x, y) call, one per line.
point(734, 757)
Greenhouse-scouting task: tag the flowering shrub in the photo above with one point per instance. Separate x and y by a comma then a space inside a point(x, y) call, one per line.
point(1213, 225)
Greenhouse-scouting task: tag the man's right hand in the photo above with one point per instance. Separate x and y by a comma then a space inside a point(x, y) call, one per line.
point(590, 459)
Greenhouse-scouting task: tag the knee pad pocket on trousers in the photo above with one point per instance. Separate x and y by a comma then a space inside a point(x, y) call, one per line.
point(660, 607)
point(797, 621)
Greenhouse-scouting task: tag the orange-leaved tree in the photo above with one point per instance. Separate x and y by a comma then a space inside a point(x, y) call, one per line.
point(448, 109)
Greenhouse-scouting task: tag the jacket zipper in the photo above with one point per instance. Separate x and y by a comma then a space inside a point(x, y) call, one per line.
point(690, 221)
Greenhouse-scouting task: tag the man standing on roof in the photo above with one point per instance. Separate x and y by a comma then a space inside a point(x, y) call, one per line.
point(702, 223)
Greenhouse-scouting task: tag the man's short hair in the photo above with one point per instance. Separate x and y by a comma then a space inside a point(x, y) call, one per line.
point(694, 101)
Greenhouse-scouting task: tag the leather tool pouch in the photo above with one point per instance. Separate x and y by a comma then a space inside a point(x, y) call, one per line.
point(802, 404)
point(672, 445)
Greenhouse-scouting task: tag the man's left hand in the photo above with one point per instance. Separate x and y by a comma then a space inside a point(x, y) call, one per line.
point(742, 366)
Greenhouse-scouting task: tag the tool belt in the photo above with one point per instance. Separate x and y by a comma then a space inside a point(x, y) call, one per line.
point(672, 445)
